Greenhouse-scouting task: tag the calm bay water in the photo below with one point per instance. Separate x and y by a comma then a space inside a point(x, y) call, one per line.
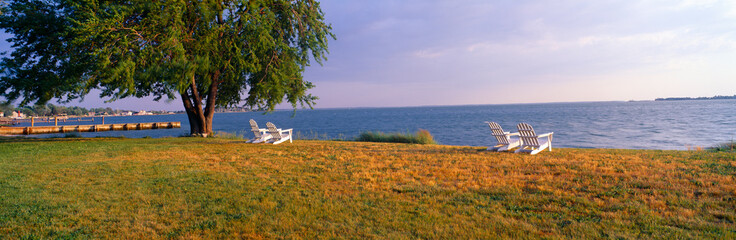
point(634, 125)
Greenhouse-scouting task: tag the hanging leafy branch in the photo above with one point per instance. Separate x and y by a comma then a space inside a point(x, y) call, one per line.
point(206, 53)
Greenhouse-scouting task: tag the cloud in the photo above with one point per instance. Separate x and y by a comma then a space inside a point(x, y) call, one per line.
point(690, 4)
point(391, 24)
point(431, 54)
point(730, 9)
point(437, 52)
point(449, 52)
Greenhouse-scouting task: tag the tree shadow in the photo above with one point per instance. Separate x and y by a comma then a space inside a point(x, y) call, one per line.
point(25, 139)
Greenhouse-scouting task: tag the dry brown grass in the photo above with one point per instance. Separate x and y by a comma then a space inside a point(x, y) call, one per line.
point(203, 188)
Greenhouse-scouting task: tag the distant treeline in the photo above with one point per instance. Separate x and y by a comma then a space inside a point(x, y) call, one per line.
point(54, 110)
point(697, 98)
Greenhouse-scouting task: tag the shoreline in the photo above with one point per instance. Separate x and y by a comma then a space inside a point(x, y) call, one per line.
point(39, 137)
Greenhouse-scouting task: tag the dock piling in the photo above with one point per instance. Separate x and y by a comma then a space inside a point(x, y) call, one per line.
point(86, 128)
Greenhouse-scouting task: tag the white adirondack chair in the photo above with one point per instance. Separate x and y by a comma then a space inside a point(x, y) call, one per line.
point(531, 142)
point(261, 134)
point(278, 135)
point(504, 138)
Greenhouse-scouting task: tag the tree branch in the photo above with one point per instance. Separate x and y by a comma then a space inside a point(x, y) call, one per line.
point(268, 66)
point(194, 90)
point(130, 29)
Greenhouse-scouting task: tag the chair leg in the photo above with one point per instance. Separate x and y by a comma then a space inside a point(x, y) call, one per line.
point(512, 145)
point(264, 139)
point(536, 151)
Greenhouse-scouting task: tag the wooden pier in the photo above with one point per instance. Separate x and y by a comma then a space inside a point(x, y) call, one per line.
point(87, 128)
point(55, 120)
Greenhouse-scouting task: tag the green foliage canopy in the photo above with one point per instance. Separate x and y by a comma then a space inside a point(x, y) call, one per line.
point(42, 65)
point(210, 53)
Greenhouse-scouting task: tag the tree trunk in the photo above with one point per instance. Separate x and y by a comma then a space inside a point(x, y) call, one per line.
point(197, 121)
point(200, 118)
point(209, 111)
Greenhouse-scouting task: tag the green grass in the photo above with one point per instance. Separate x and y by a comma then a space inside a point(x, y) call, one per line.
point(421, 137)
point(312, 135)
point(204, 188)
point(725, 147)
point(228, 135)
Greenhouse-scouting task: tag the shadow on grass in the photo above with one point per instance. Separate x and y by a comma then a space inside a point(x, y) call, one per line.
point(23, 139)
point(473, 150)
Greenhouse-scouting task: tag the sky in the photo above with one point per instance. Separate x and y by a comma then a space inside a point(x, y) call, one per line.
point(392, 53)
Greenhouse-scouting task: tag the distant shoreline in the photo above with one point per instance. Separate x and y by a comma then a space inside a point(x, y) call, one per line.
point(696, 98)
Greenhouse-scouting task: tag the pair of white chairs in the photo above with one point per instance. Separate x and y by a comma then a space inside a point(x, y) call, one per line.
point(528, 140)
point(271, 134)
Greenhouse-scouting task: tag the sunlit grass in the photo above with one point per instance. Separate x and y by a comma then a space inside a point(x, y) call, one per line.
point(224, 188)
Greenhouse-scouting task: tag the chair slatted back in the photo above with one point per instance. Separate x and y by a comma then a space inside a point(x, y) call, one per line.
point(275, 133)
point(254, 128)
point(498, 132)
point(527, 135)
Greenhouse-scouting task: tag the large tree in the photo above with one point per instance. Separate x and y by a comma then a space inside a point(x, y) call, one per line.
point(207, 53)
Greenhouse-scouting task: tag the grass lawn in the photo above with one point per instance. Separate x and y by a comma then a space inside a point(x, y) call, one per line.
point(206, 188)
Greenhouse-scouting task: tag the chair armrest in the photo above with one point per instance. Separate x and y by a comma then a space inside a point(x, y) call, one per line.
point(287, 130)
point(545, 135)
point(512, 134)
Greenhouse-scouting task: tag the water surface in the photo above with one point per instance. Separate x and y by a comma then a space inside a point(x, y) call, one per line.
point(634, 125)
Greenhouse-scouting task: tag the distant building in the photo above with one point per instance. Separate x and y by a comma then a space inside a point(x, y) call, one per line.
point(91, 114)
point(128, 113)
point(143, 112)
point(2, 114)
point(18, 114)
